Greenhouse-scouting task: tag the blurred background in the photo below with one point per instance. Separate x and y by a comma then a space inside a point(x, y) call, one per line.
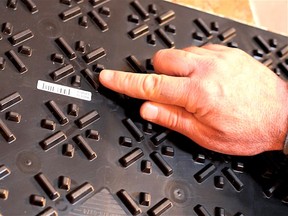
point(271, 15)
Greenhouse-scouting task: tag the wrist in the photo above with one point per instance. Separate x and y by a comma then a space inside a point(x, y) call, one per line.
point(285, 143)
point(284, 129)
point(279, 125)
point(285, 146)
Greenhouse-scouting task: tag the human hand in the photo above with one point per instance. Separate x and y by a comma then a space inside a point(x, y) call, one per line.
point(219, 97)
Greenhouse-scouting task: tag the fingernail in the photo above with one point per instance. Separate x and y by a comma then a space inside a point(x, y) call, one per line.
point(106, 75)
point(149, 111)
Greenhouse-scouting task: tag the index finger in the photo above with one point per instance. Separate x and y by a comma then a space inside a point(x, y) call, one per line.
point(158, 88)
point(175, 62)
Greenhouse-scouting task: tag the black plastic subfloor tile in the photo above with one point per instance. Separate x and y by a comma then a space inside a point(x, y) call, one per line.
point(71, 147)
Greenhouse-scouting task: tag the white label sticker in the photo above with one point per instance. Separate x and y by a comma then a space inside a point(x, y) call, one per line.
point(64, 90)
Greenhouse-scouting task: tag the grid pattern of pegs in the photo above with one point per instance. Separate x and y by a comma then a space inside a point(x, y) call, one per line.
point(77, 148)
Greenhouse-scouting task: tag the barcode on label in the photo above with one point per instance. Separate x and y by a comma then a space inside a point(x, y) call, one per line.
point(64, 90)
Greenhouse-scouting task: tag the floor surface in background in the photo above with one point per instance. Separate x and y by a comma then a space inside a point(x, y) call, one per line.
point(268, 14)
point(238, 10)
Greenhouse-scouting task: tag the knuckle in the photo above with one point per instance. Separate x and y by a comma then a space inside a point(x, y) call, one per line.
point(211, 88)
point(222, 57)
point(213, 93)
point(211, 46)
point(173, 120)
point(218, 62)
point(190, 49)
point(158, 57)
point(126, 82)
point(149, 84)
point(209, 93)
point(211, 64)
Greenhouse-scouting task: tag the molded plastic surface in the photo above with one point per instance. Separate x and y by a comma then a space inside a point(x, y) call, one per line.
point(76, 148)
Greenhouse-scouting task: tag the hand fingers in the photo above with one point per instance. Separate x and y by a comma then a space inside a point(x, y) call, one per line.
point(183, 62)
point(175, 62)
point(201, 51)
point(178, 119)
point(215, 47)
point(153, 87)
point(207, 49)
point(175, 118)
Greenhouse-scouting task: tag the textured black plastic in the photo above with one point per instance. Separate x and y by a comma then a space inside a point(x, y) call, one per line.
point(48, 160)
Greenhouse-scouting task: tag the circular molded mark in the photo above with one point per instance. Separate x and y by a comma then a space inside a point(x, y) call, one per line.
point(28, 162)
point(106, 176)
point(49, 27)
point(179, 192)
point(61, 205)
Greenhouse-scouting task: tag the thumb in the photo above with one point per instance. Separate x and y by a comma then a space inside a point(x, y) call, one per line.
point(173, 117)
